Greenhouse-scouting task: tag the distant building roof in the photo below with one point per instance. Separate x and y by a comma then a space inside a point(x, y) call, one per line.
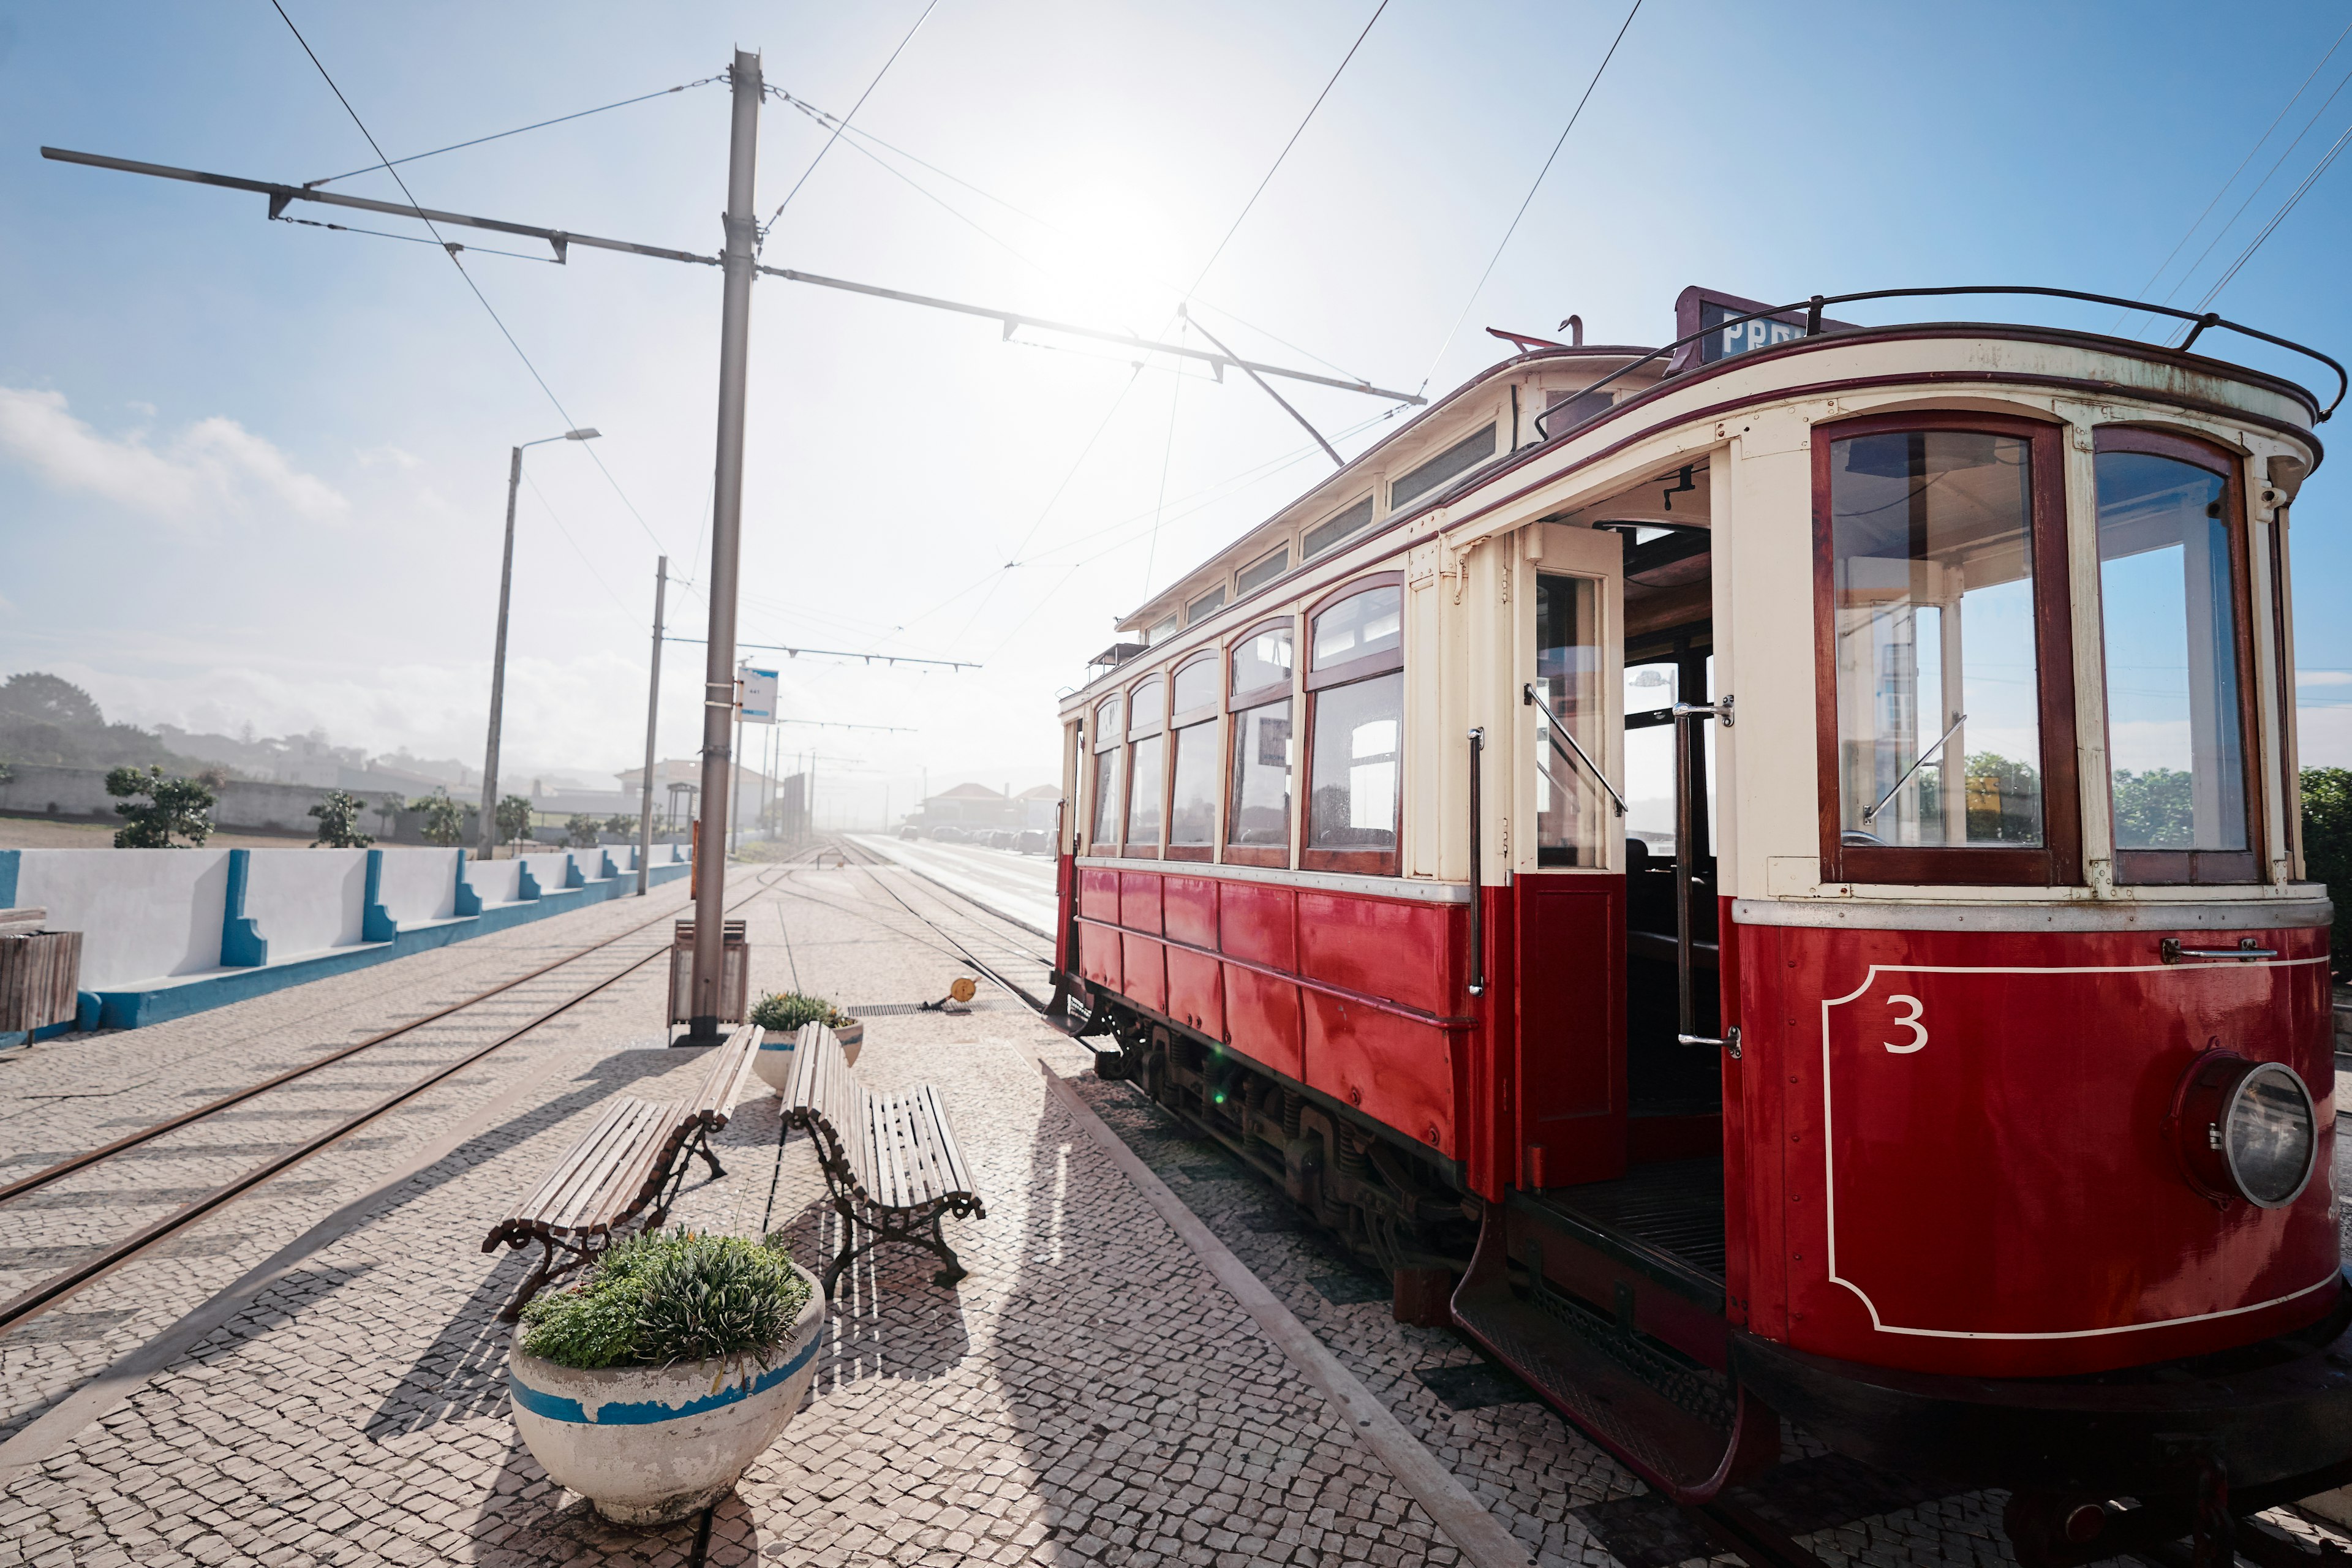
point(969, 792)
point(1040, 792)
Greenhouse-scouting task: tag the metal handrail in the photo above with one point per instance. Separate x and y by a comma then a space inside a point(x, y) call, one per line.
point(1814, 305)
point(1477, 872)
point(1528, 695)
point(1917, 763)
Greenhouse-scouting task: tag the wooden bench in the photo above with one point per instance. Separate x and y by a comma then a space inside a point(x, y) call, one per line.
point(890, 1160)
point(627, 1169)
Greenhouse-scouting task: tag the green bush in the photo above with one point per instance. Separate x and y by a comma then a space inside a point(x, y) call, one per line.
point(445, 819)
point(2328, 849)
point(181, 806)
point(513, 819)
point(339, 822)
point(579, 832)
point(657, 1301)
point(786, 1012)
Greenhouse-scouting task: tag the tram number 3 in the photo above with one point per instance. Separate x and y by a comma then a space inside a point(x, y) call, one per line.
point(1911, 1022)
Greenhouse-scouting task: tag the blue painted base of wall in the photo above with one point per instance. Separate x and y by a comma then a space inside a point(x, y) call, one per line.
point(134, 1008)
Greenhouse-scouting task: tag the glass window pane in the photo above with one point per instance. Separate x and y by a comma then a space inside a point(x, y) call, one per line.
point(1939, 736)
point(1143, 793)
point(1193, 800)
point(1650, 787)
point(1207, 605)
point(1196, 685)
point(1264, 570)
point(1325, 534)
point(1150, 708)
point(1572, 811)
point(1368, 623)
point(1262, 660)
point(1259, 812)
point(1358, 728)
point(1457, 460)
point(1107, 798)
point(1651, 687)
point(1109, 725)
point(2167, 586)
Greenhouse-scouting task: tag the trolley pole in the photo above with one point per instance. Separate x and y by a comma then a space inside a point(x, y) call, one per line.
point(726, 541)
point(652, 713)
point(499, 670)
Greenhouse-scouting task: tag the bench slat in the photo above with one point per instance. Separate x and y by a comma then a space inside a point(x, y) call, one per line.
point(608, 1143)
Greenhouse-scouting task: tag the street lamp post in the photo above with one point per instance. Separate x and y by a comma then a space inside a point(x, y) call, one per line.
point(498, 654)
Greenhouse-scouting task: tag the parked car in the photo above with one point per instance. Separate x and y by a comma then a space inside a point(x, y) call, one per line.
point(910, 831)
point(949, 833)
point(1005, 839)
point(1036, 841)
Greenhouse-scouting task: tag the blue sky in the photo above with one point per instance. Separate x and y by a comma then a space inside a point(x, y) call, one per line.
point(253, 472)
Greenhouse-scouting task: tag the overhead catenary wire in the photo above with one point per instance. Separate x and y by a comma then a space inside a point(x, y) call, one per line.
point(1528, 200)
point(2271, 227)
point(451, 252)
point(501, 135)
point(772, 217)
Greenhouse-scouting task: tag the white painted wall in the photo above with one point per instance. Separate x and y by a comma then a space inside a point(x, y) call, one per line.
point(306, 900)
point(495, 881)
point(419, 885)
point(142, 912)
point(548, 870)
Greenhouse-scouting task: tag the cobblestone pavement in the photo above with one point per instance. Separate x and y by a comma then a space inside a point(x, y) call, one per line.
point(1088, 1395)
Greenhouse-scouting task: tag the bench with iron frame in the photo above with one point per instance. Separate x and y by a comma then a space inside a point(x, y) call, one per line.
point(627, 1172)
point(891, 1160)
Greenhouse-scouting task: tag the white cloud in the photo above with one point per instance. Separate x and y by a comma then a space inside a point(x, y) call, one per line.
point(2322, 678)
point(213, 463)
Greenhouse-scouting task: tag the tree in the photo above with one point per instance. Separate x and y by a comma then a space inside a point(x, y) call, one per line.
point(514, 819)
point(445, 819)
point(339, 822)
point(2154, 810)
point(580, 831)
point(34, 694)
point(387, 811)
point(618, 823)
point(2004, 799)
point(181, 806)
point(2327, 849)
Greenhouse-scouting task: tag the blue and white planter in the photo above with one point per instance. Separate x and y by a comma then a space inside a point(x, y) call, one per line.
point(649, 1445)
point(774, 1061)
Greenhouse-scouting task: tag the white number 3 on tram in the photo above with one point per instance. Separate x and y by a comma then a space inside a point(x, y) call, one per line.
point(1911, 1022)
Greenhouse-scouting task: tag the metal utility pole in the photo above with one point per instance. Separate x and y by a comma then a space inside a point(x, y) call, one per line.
point(498, 654)
point(726, 542)
point(652, 713)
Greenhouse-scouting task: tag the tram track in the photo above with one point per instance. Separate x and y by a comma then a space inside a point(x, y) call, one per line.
point(57, 1287)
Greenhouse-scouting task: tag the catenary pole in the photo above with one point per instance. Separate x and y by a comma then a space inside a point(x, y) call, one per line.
point(499, 669)
point(653, 713)
point(726, 541)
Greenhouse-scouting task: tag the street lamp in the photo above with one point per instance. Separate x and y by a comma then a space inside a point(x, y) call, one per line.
point(498, 658)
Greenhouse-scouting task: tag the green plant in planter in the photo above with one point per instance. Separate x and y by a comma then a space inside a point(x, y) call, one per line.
point(786, 1012)
point(680, 1295)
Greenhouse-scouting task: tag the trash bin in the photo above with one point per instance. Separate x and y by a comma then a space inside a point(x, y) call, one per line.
point(40, 971)
point(734, 976)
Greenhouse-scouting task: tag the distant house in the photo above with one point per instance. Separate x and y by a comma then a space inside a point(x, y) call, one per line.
point(1039, 805)
point(968, 805)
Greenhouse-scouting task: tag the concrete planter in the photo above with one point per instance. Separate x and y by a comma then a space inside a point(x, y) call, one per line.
point(648, 1445)
point(774, 1061)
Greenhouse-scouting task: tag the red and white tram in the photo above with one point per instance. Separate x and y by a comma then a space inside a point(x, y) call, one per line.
point(1760, 879)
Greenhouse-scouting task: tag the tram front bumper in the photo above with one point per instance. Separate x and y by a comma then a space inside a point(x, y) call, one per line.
point(2275, 1415)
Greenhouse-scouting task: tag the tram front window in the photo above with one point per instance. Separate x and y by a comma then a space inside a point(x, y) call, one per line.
point(2168, 584)
point(1939, 738)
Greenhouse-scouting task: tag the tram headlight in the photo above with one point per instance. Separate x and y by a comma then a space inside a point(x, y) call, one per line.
point(2245, 1129)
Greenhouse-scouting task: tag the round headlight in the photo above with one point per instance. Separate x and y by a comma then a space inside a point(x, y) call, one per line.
point(2269, 1133)
point(2245, 1129)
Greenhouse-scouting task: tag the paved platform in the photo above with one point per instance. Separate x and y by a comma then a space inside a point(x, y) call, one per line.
point(326, 1378)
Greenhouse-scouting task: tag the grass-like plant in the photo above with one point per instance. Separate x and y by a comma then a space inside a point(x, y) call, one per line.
point(785, 1012)
point(678, 1296)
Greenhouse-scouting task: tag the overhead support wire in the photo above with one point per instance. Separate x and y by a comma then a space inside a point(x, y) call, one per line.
point(842, 653)
point(501, 135)
point(846, 119)
point(1330, 450)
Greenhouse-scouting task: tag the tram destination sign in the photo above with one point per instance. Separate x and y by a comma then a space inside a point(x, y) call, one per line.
point(1698, 309)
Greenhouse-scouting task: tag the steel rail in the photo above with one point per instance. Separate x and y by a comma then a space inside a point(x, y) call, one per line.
point(66, 1282)
point(970, 957)
point(67, 1167)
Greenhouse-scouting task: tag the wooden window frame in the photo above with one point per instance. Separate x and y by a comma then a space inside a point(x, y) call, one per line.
point(1190, 718)
point(1134, 732)
point(1386, 862)
point(1098, 749)
point(2203, 867)
point(2057, 861)
point(1267, 856)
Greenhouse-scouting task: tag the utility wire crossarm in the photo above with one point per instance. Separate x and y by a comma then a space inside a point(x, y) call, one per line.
point(561, 241)
point(845, 653)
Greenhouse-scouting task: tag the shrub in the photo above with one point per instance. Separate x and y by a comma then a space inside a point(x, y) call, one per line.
point(580, 831)
point(339, 822)
point(622, 825)
point(786, 1012)
point(2327, 849)
point(445, 819)
point(181, 806)
point(513, 819)
point(657, 1301)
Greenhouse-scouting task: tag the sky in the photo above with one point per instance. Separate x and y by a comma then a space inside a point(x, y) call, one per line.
point(255, 472)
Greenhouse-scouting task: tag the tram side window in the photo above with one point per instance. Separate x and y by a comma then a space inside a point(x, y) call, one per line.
point(1571, 810)
point(1257, 807)
point(1110, 731)
point(1147, 708)
point(1936, 574)
point(2178, 669)
point(1193, 789)
point(1356, 719)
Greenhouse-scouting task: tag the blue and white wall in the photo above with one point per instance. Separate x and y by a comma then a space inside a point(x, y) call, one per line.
point(166, 932)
